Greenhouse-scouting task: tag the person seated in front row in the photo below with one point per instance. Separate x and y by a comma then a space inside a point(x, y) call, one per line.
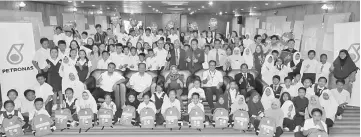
point(222, 103)
point(140, 82)
point(174, 81)
point(245, 80)
point(9, 113)
point(314, 125)
point(171, 102)
point(109, 104)
point(70, 101)
point(28, 106)
point(342, 97)
point(193, 105)
point(108, 81)
point(196, 89)
point(87, 101)
point(39, 109)
point(212, 80)
point(146, 104)
point(255, 110)
point(276, 113)
point(232, 92)
point(159, 97)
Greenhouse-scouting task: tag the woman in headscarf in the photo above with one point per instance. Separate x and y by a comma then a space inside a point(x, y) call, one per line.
point(236, 59)
point(255, 110)
point(277, 114)
point(248, 57)
point(267, 98)
point(295, 64)
point(344, 68)
point(240, 104)
point(86, 101)
point(267, 70)
point(314, 103)
point(289, 112)
point(329, 104)
point(280, 69)
point(65, 69)
point(72, 81)
point(259, 58)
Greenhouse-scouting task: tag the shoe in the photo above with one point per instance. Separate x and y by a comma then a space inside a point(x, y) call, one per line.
point(55, 107)
point(296, 129)
point(339, 117)
point(286, 129)
point(73, 124)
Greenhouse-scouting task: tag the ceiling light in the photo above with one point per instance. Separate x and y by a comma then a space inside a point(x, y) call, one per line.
point(153, 8)
point(108, 8)
point(156, 10)
point(199, 9)
point(82, 1)
point(69, 1)
point(203, 7)
point(149, 6)
point(115, 8)
point(242, 9)
point(189, 9)
point(91, 12)
point(75, 9)
point(255, 7)
point(225, 12)
point(93, 5)
point(131, 12)
point(22, 4)
point(278, 3)
point(100, 12)
point(266, 4)
point(324, 6)
point(220, 13)
point(210, 3)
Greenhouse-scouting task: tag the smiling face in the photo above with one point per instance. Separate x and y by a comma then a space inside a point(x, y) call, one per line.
point(325, 96)
point(268, 91)
point(274, 105)
point(85, 96)
point(343, 55)
point(285, 97)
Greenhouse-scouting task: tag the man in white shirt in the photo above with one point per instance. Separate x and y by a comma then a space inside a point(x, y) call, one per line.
point(122, 37)
point(58, 35)
point(62, 49)
point(103, 63)
point(160, 35)
point(152, 62)
point(323, 67)
point(118, 57)
point(173, 36)
point(148, 37)
point(39, 60)
point(108, 82)
point(257, 41)
point(212, 80)
point(309, 67)
point(217, 54)
point(133, 59)
point(160, 53)
point(342, 97)
point(133, 38)
point(140, 82)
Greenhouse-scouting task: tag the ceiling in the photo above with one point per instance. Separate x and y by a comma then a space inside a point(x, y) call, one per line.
point(178, 6)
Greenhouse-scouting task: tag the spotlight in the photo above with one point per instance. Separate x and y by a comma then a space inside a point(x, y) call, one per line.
point(210, 3)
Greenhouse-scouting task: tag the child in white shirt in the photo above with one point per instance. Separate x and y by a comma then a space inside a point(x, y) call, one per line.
point(10, 111)
point(287, 87)
point(342, 97)
point(309, 90)
point(323, 67)
point(152, 63)
point(133, 59)
point(109, 104)
point(39, 109)
point(103, 63)
point(13, 96)
point(196, 89)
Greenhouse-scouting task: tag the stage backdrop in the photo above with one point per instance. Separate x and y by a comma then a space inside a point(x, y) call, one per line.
point(347, 36)
point(18, 49)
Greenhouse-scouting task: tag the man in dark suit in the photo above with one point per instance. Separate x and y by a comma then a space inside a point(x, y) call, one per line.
point(196, 59)
point(245, 81)
point(178, 57)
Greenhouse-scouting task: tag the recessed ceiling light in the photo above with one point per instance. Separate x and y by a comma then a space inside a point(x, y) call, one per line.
point(156, 10)
point(69, 1)
point(220, 13)
point(115, 8)
point(225, 12)
point(278, 3)
point(203, 7)
point(266, 4)
point(210, 3)
point(153, 8)
point(255, 7)
point(242, 9)
point(82, 1)
point(199, 9)
point(108, 8)
point(149, 6)
point(93, 5)
point(189, 9)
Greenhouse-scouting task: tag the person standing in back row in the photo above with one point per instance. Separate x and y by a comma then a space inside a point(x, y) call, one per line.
point(99, 37)
point(196, 57)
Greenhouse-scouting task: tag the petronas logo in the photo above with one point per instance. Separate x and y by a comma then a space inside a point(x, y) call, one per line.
point(14, 56)
point(354, 51)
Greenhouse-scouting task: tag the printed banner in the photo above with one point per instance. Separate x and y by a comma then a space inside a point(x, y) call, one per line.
point(18, 49)
point(350, 42)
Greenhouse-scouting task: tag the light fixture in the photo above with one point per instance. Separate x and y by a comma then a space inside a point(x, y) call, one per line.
point(242, 9)
point(255, 7)
point(220, 13)
point(82, 1)
point(115, 8)
point(74, 9)
point(131, 12)
point(93, 5)
point(108, 8)
point(225, 12)
point(199, 9)
point(191, 13)
point(149, 6)
point(278, 3)
point(203, 7)
point(189, 9)
point(324, 7)
point(21, 5)
point(266, 4)
point(100, 12)
point(91, 12)
point(153, 8)
point(69, 1)
point(210, 3)
point(156, 10)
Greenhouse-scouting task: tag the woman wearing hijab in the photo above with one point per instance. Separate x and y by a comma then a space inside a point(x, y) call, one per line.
point(289, 112)
point(65, 69)
point(277, 114)
point(267, 98)
point(248, 57)
point(72, 81)
point(314, 103)
point(240, 104)
point(295, 64)
point(267, 70)
point(344, 68)
point(236, 59)
point(329, 104)
point(259, 57)
point(255, 110)
point(86, 101)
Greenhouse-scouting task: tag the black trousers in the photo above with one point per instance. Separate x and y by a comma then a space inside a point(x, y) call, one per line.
point(329, 124)
point(289, 123)
point(100, 93)
point(210, 91)
point(340, 111)
point(279, 132)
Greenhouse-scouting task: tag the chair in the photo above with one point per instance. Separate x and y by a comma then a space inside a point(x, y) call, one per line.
point(186, 75)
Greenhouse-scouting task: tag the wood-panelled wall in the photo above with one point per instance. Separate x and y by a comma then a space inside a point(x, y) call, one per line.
point(299, 12)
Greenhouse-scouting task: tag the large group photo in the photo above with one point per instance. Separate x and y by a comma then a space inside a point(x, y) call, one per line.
point(180, 68)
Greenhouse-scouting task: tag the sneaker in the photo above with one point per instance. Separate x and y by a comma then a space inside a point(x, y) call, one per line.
point(55, 107)
point(286, 129)
point(296, 129)
point(73, 124)
point(339, 117)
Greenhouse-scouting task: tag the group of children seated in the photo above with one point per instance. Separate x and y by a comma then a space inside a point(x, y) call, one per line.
point(286, 105)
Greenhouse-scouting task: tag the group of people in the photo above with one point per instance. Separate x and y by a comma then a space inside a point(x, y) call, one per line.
point(296, 93)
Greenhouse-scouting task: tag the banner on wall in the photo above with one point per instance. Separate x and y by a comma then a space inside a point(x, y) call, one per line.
point(17, 71)
point(350, 42)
